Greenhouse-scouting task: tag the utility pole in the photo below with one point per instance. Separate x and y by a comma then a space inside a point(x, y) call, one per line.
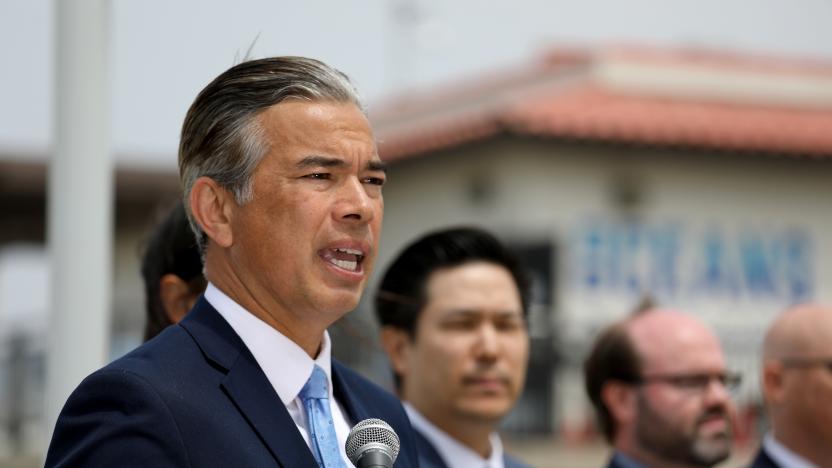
point(79, 201)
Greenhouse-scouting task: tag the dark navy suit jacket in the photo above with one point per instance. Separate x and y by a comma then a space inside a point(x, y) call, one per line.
point(617, 462)
point(195, 397)
point(763, 460)
point(430, 458)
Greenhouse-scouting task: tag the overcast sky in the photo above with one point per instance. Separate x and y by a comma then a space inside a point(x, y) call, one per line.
point(164, 51)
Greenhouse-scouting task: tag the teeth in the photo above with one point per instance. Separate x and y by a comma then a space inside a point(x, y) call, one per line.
point(345, 264)
point(351, 251)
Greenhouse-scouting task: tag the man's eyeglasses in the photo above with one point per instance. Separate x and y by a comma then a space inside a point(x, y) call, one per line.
point(808, 362)
point(694, 383)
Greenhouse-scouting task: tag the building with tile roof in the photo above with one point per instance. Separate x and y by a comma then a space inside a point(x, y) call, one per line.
point(699, 179)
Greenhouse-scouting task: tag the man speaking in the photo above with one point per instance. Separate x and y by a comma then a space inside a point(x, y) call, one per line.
point(282, 186)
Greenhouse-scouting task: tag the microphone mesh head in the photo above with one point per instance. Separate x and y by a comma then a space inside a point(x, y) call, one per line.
point(372, 434)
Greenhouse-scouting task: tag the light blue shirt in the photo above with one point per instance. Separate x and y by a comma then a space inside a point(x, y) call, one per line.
point(783, 455)
point(624, 461)
point(453, 453)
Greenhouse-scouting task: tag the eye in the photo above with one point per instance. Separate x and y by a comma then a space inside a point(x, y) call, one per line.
point(509, 324)
point(460, 325)
point(692, 382)
point(374, 181)
point(318, 176)
point(732, 381)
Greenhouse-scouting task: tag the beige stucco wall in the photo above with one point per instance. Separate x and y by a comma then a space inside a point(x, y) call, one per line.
point(545, 191)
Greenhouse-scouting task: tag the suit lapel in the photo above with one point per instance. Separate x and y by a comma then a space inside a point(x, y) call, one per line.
point(254, 396)
point(764, 460)
point(247, 387)
point(428, 455)
point(347, 395)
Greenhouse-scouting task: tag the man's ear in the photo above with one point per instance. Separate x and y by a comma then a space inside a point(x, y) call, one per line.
point(212, 207)
point(396, 343)
point(619, 398)
point(773, 381)
point(175, 295)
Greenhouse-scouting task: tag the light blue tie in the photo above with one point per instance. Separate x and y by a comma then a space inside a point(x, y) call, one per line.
point(315, 397)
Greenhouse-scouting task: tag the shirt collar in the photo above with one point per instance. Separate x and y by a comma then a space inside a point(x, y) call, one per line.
point(783, 455)
point(624, 461)
point(452, 451)
point(286, 365)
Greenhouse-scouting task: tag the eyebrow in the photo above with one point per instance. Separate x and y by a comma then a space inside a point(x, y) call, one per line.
point(326, 161)
point(319, 161)
point(457, 313)
point(377, 165)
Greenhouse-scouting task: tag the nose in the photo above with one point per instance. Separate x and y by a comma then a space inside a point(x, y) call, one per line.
point(354, 204)
point(717, 392)
point(488, 343)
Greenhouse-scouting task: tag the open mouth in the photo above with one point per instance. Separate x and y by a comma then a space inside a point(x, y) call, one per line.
point(344, 258)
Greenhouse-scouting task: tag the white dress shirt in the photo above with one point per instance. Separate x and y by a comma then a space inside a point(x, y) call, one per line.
point(286, 365)
point(452, 452)
point(784, 456)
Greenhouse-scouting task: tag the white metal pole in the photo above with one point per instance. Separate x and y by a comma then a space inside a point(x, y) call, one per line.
point(80, 202)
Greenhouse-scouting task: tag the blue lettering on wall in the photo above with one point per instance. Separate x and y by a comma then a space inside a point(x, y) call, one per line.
point(665, 260)
point(797, 268)
point(663, 254)
point(758, 263)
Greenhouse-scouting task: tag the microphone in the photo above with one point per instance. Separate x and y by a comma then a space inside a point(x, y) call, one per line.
point(372, 443)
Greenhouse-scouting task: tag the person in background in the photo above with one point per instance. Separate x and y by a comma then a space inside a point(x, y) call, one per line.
point(797, 388)
point(172, 272)
point(282, 187)
point(452, 309)
point(659, 384)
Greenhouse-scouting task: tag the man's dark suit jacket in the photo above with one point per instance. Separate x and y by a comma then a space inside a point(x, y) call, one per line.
point(762, 460)
point(195, 397)
point(615, 462)
point(430, 458)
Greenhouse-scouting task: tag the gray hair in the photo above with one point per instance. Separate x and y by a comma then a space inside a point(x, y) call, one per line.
point(221, 136)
